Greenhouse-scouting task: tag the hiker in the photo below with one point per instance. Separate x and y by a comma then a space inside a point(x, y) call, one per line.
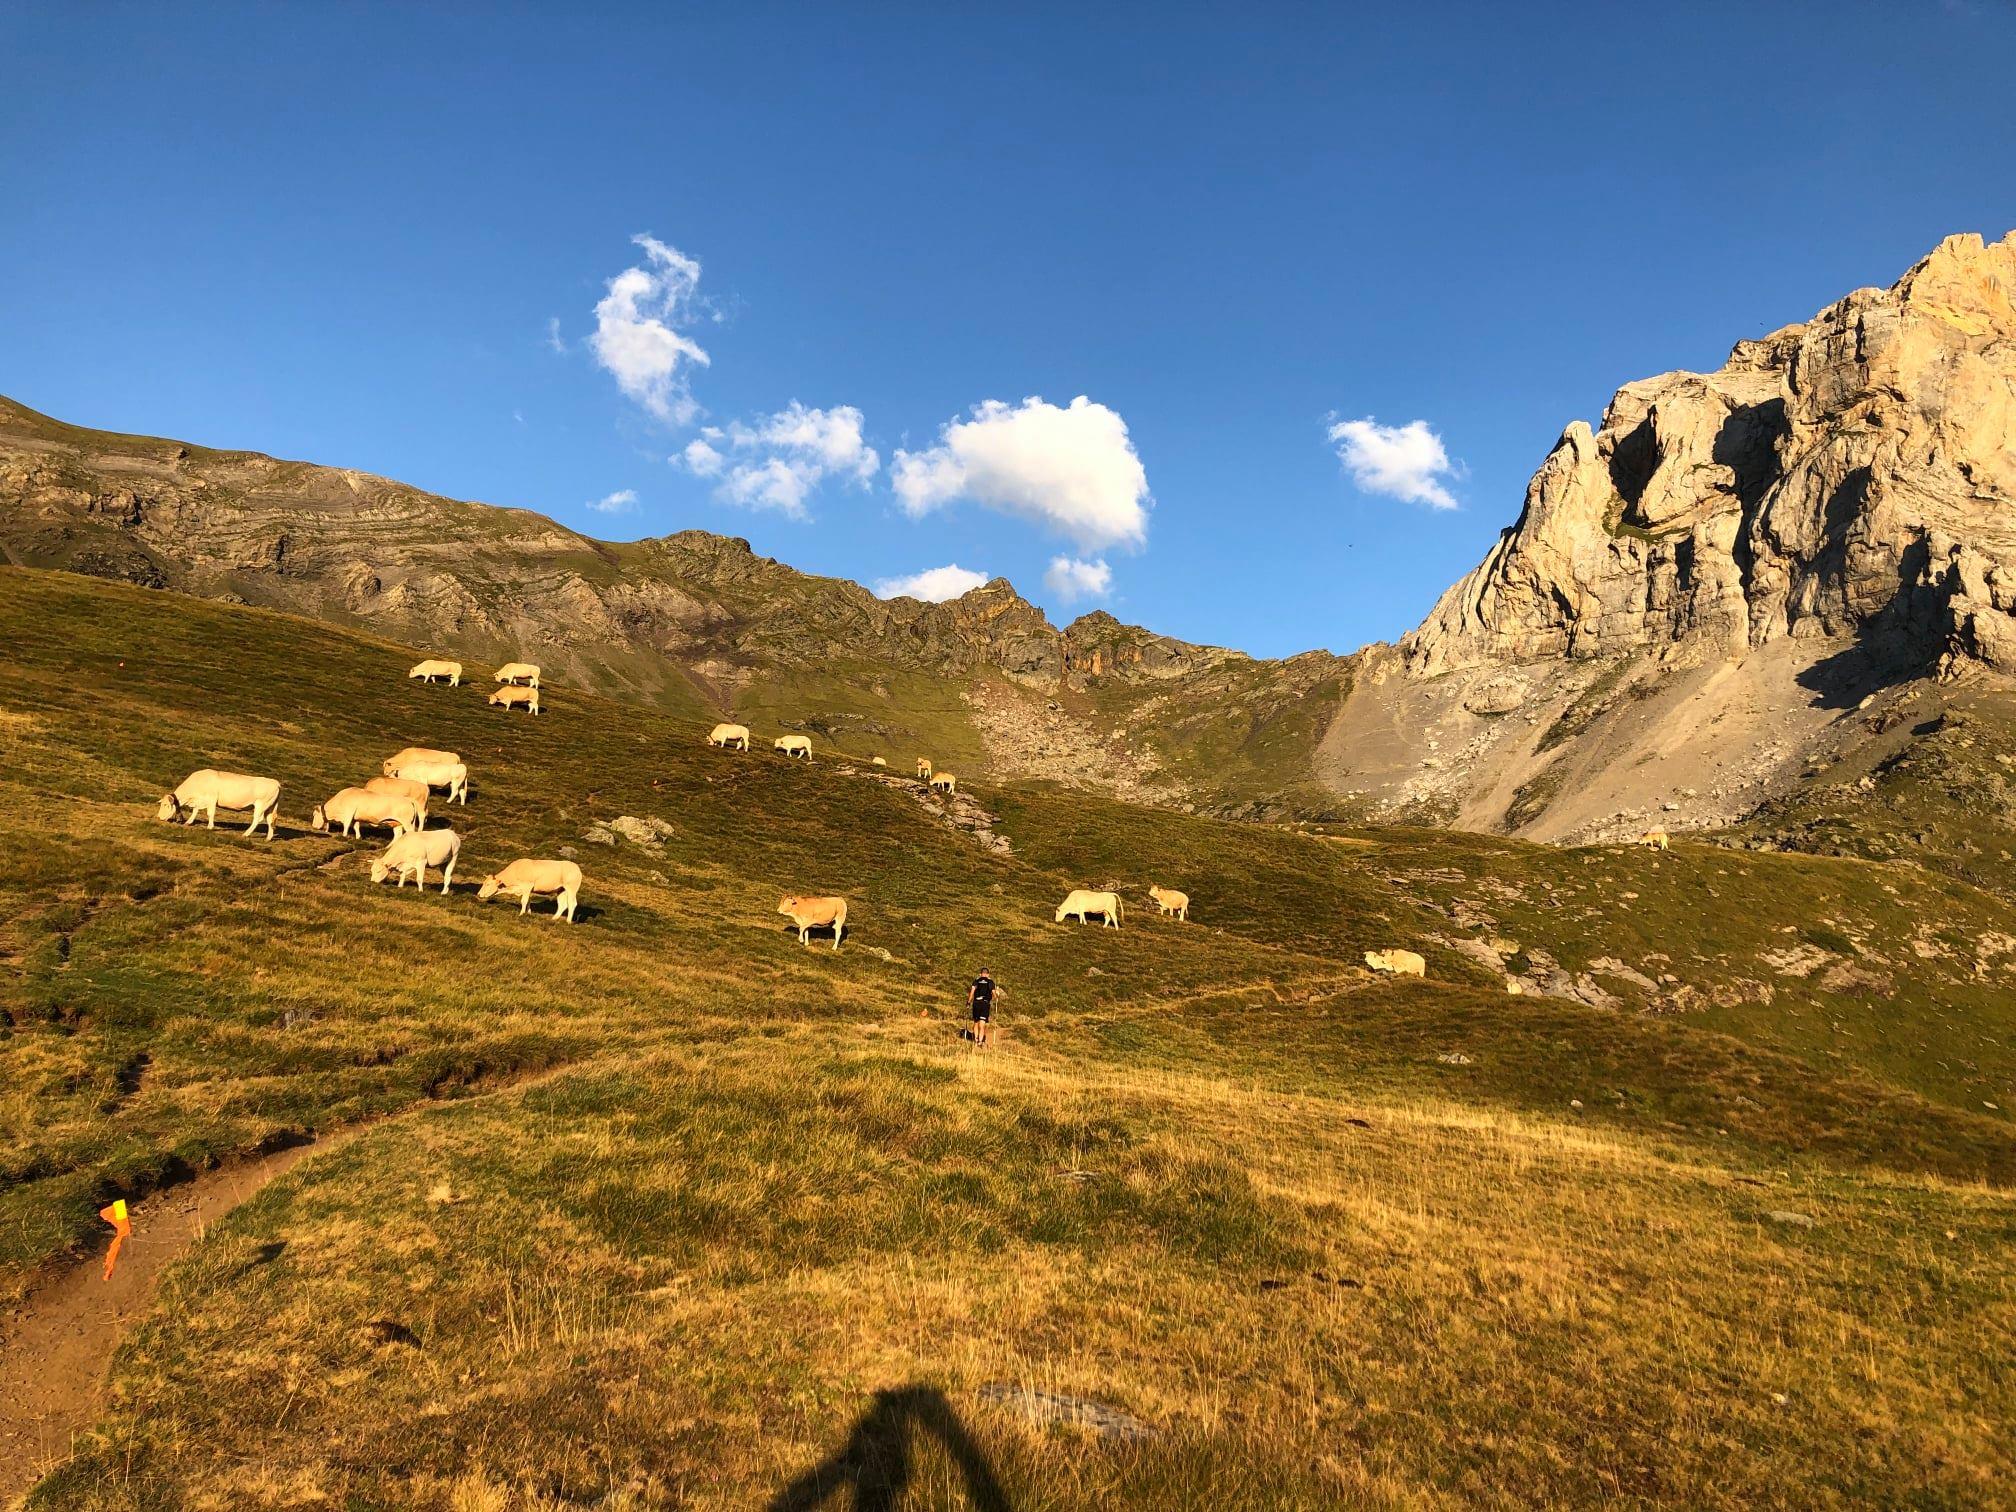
point(980, 998)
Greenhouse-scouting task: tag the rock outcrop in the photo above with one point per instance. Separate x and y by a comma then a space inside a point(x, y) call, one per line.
point(1854, 475)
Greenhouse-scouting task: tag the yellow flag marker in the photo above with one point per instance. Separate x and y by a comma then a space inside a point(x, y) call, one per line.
point(121, 1227)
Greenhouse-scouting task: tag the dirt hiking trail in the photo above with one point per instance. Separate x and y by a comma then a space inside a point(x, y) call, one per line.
point(56, 1344)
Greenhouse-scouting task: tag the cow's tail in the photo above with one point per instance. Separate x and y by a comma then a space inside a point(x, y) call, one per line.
point(1119, 909)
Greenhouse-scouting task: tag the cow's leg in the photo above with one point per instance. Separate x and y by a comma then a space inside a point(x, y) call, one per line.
point(213, 813)
point(447, 875)
point(524, 901)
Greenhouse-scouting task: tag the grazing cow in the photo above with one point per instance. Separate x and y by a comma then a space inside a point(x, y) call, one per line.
point(1081, 903)
point(1654, 837)
point(416, 753)
point(411, 855)
point(561, 879)
point(515, 697)
point(405, 787)
point(1396, 962)
point(427, 671)
point(876, 761)
point(452, 775)
point(356, 806)
point(923, 768)
point(1171, 901)
point(945, 782)
point(727, 736)
point(206, 791)
point(515, 672)
point(794, 745)
point(816, 913)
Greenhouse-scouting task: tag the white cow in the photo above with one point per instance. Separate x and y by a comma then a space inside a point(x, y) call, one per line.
point(513, 672)
point(391, 764)
point(452, 775)
point(206, 791)
point(561, 879)
point(794, 745)
point(1397, 962)
point(404, 787)
point(355, 806)
point(945, 782)
point(729, 735)
point(1081, 903)
point(427, 671)
point(411, 855)
point(1170, 901)
point(924, 768)
point(515, 697)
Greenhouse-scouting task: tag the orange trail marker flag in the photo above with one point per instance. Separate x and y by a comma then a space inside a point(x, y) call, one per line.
point(121, 1227)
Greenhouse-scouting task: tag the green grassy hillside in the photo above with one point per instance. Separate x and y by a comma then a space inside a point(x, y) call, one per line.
point(758, 1224)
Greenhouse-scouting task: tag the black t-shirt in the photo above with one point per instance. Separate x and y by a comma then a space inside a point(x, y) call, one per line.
point(983, 994)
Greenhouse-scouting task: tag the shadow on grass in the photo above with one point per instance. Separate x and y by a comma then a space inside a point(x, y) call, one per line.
point(876, 1459)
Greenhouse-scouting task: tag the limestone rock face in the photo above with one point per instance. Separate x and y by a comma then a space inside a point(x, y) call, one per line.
point(1851, 476)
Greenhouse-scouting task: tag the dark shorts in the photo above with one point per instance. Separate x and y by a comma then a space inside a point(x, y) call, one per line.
point(982, 1012)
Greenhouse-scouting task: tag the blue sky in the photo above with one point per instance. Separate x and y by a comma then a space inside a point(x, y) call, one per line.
point(341, 233)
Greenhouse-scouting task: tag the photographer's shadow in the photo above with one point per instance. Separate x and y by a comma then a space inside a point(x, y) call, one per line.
point(876, 1459)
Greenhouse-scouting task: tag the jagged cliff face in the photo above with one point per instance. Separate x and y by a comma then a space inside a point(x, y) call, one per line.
point(1851, 476)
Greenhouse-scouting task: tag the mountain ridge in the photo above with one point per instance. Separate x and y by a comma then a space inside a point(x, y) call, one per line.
point(691, 619)
point(1693, 593)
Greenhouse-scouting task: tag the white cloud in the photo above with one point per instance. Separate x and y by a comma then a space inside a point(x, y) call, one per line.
point(1073, 471)
point(615, 503)
point(1400, 461)
point(1071, 579)
point(554, 341)
point(780, 461)
point(703, 459)
point(934, 585)
point(637, 337)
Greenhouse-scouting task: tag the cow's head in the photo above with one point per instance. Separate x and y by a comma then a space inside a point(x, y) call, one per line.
point(488, 889)
point(318, 820)
point(168, 808)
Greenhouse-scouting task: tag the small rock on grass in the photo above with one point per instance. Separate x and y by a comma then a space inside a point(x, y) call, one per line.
point(1789, 1219)
point(1054, 1407)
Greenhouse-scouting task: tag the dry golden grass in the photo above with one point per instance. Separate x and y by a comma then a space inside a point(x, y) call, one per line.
point(772, 1229)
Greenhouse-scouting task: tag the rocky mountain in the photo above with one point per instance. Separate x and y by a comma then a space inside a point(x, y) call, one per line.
point(1701, 590)
point(1722, 594)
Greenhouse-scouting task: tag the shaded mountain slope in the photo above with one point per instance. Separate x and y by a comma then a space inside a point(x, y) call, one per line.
point(690, 620)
